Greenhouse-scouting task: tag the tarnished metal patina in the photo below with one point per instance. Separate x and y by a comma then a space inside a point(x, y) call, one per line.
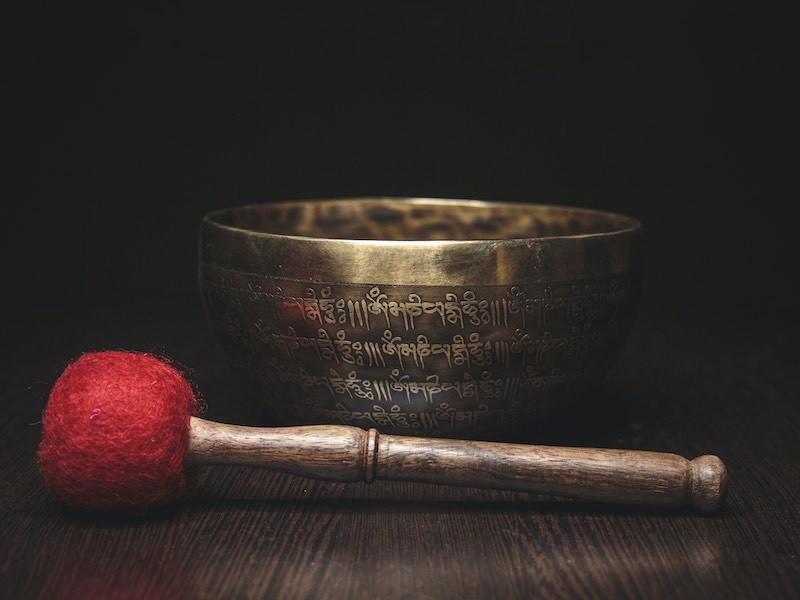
point(425, 316)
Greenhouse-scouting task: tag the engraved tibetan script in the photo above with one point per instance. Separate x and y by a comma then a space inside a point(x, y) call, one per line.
point(424, 357)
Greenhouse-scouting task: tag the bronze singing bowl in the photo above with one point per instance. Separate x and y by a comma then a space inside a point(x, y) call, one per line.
point(422, 316)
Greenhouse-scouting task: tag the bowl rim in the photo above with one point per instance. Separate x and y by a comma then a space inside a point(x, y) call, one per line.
point(631, 224)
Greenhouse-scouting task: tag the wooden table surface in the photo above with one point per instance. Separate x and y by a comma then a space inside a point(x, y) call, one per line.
point(687, 385)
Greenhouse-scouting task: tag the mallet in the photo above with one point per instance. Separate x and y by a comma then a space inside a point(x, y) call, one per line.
point(120, 428)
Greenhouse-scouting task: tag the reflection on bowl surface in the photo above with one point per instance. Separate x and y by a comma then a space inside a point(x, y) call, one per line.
point(419, 316)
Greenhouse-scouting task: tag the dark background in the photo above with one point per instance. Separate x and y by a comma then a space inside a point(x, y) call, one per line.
point(127, 124)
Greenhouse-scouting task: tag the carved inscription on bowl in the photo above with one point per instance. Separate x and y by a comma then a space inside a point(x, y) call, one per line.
point(426, 360)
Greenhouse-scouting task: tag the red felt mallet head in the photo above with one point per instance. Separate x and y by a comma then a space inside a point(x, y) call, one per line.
point(115, 431)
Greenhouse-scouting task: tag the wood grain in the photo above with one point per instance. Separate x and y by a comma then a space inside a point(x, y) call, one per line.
point(253, 533)
point(346, 453)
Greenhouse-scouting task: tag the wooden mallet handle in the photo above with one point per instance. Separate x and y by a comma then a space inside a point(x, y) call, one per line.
point(346, 453)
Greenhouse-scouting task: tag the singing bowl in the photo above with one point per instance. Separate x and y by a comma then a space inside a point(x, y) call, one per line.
point(423, 316)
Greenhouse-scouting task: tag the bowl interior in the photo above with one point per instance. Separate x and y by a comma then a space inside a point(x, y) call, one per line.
point(420, 220)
